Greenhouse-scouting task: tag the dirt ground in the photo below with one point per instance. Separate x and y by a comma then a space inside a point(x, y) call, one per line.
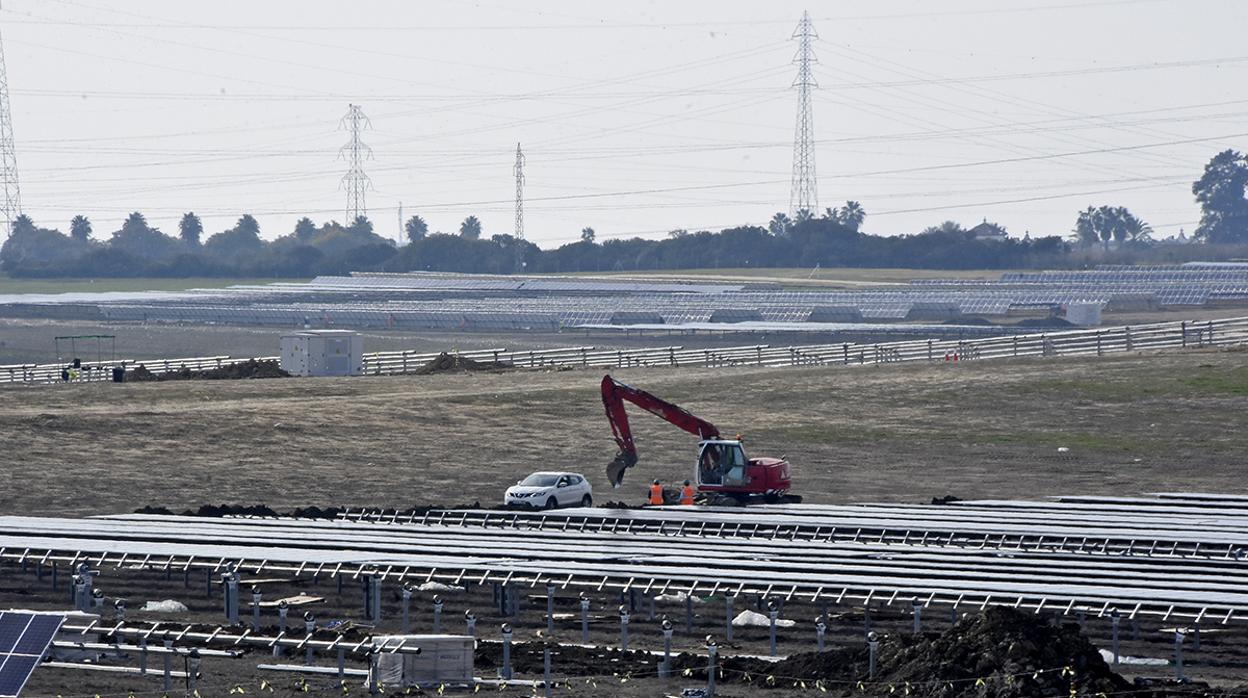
point(1131, 424)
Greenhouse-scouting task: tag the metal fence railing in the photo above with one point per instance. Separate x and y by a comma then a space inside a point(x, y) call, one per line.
point(1083, 342)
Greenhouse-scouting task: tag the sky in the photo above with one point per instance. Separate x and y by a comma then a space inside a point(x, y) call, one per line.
point(635, 118)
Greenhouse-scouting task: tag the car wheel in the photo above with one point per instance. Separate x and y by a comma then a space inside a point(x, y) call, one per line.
point(551, 502)
point(587, 501)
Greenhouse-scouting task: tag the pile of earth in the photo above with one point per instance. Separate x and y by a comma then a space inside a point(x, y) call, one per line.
point(1001, 652)
point(250, 368)
point(1045, 322)
point(308, 512)
point(454, 363)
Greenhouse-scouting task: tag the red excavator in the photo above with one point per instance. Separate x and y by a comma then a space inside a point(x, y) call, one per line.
point(723, 474)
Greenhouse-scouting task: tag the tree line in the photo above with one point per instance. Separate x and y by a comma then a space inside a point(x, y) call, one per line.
point(831, 238)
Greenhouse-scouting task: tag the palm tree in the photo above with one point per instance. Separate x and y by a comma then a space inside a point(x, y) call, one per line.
point(305, 229)
point(802, 215)
point(851, 215)
point(190, 228)
point(470, 228)
point(416, 228)
point(780, 224)
point(80, 228)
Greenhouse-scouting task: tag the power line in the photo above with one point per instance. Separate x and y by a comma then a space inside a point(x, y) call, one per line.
point(355, 181)
point(804, 195)
point(12, 203)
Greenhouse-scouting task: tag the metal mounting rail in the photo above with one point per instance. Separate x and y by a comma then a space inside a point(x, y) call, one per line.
point(943, 536)
point(185, 635)
point(875, 596)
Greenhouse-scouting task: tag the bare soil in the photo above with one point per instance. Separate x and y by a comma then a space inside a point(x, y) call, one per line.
point(1130, 424)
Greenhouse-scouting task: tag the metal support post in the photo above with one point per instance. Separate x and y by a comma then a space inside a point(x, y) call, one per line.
point(229, 594)
point(168, 665)
point(688, 613)
point(342, 663)
point(1178, 655)
point(584, 619)
point(729, 599)
point(1113, 625)
point(374, 674)
point(142, 656)
point(309, 627)
point(711, 666)
point(192, 672)
point(283, 609)
point(505, 672)
point(546, 668)
point(255, 608)
point(550, 608)
point(916, 608)
point(873, 647)
point(772, 614)
point(119, 611)
point(821, 628)
point(470, 620)
point(665, 669)
point(623, 628)
point(407, 608)
point(650, 607)
point(437, 615)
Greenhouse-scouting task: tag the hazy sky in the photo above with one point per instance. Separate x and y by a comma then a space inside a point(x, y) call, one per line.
point(636, 117)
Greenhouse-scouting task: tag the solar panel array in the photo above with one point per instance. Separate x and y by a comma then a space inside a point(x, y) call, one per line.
point(24, 638)
point(455, 301)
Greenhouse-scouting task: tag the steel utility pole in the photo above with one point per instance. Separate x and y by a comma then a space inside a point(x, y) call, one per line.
point(519, 172)
point(355, 152)
point(804, 195)
point(12, 201)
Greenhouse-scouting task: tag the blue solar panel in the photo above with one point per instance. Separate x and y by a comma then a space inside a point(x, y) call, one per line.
point(24, 638)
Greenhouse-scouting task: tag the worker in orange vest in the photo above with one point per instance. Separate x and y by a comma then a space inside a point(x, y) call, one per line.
point(656, 494)
point(686, 494)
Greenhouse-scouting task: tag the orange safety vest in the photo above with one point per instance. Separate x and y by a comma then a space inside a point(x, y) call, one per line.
point(686, 495)
point(656, 494)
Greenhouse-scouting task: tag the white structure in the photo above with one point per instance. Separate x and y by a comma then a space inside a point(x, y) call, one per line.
point(323, 353)
point(1083, 314)
point(442, 659)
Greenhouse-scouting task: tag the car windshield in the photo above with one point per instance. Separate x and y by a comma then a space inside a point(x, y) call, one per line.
point(540, 480)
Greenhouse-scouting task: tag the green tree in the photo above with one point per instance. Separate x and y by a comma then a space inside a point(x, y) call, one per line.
point(416, 228)
point(248, 225)
point(305, 229)
point(470, 229)
point(190, 228)
point(138, 239)
point(361, 225)
point(1110, 223)
point(1223, 206)
point(946, 228)
point(803, 215)
point(80, 228)
point(587, 235)
point(851, 215)
point(780, 224)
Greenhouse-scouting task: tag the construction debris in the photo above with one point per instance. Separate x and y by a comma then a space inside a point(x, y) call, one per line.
point(454, 363)
point(250, 368)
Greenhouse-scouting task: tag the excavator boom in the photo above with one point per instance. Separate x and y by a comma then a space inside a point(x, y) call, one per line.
point(614, 393)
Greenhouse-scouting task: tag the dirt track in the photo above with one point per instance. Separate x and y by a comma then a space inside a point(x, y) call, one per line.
point(1131, 424)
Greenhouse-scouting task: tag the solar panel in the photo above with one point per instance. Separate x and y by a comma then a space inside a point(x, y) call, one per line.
point(24, 637)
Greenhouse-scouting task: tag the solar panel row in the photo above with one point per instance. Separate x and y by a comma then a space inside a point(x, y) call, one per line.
point(24, 638)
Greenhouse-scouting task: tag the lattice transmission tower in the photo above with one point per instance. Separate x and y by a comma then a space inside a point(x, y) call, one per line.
point(8, 154)
point(355, 152)
point(804, 194)
point(519, 172)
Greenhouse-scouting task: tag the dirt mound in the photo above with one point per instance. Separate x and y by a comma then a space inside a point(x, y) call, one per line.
point(1044, 322)
point(454, 363)
point(244, 369)
point(1001, 652)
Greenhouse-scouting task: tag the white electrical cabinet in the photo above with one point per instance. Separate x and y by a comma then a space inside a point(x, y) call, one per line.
point(323, 353)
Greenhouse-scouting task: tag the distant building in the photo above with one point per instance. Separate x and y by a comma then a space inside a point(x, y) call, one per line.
point(988, 231)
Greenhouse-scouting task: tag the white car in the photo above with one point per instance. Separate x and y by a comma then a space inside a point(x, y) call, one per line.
point(547, 490)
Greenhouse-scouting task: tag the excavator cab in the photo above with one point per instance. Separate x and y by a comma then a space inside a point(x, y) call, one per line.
point(722, 463)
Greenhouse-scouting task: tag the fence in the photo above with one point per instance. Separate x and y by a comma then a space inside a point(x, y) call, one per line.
point(1091, 342)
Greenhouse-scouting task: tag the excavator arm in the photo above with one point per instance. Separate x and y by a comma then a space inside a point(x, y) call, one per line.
point(614, 393)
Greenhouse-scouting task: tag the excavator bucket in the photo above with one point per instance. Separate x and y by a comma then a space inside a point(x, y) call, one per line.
point(615, 469)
